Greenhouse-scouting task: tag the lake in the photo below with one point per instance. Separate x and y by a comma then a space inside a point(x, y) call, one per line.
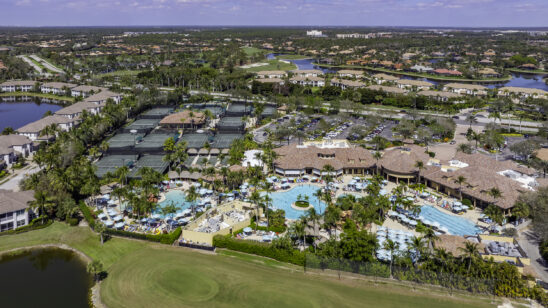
point(518, 80)
point(44, 278)
point(17, 114)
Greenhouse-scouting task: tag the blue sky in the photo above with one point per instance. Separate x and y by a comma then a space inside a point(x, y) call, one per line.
point(472, 13)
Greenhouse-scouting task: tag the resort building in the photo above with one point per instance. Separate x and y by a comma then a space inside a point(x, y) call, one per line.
point(523, 92)
point(345, 83)
point(440, 95)
point(14, 209)
point(85, 90)
point(17, 86)
point(186, 120)
point(481, 174)
point(308, 81)
point(387, 89)
point(350, 73)
point(57, 88)
point(311, 157)
point(33, 129)
point(271, 74)
point(12, 146)
point(382, 78)
point(399, 163)
point(415, 85)
point(466, 89)
point(307, 73)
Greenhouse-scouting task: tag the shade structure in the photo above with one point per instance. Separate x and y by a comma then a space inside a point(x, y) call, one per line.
point(248, 230)
point(102, 216)
point(119, 225)
point(109, 223)
point(118, 218)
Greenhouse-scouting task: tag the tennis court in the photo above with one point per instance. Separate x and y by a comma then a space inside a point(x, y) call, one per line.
point(195, 141)
point(238, 110)
point(112, 162)
point(224, 141)
point(154, 142)
point(231, 124)
point(155, 162)
point(157, 113)
point(123, 140)
point(142, 125)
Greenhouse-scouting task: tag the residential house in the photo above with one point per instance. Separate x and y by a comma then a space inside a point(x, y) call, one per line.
point(465, 88)
point(271, 80)
point(33, 129)
point(12, 146)
point(103, 96)
point(14, 209)
point(387, 89)
point(17, 86)
point(446, 72)
point(440, 95)
point(345, 83)
point(382, 78)
point(308, 81)
point(307, 73)
point(488, 73)
point(522, 92)
point(271, 74)
point(421, 69)
point(350, 73)
point(85, 90)
point(57, 88)
point(415, 85)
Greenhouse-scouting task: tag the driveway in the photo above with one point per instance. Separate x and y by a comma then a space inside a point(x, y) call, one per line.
point(529, 243)
point(13, 183)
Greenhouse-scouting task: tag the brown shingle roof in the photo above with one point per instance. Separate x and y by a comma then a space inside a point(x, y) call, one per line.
point(13, 201)
point(300, 157)
point(403, 159)
point(184, 117)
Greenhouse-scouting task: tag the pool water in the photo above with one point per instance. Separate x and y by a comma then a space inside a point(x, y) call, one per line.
point(178, 199)
point(456, 225)
point(282, 200)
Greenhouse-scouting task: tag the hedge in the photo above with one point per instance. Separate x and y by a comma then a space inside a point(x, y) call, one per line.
point(160, 238)
point(280, 229)
point(35, 224)
point(260, 249)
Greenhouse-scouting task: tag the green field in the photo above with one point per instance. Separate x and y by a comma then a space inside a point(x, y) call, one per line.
point(142, 274)
point(43, 95)
point(273, 65)
point(251, 50)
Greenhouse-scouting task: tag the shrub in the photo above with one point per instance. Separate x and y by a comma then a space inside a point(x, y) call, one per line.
point(72, 221)
point(35, 224)
point(432, 154)
point(168, 238)
point(87, 214)
point(467, 202)
point(543, 248)
point(260, 249)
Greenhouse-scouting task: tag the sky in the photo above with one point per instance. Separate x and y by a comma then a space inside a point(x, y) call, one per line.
point(439, 13)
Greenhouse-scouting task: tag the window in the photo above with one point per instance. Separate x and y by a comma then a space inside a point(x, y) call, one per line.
point(6, 227)
point(21, 223)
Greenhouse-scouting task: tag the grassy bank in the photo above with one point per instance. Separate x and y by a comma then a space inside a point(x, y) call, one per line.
point(142, 274)
point(417, 75)
point(292, 57)
point(119, 73)
point(252, 50)
point(536, 72)
point(42, 95)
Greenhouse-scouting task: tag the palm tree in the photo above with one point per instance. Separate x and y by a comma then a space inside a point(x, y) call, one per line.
point(318, 194)
point(298, 229)
point(495, 214)
point(169, 210)
point(430, 237)
point(50, 131)
point(470, 251)
point(256, 198)
point(101, 229)
point(391, 246)
point(314, 217)
point(41, 202)
point(95, 268)
point(122, 174)
point(377, 155)
point(460, 180)
point(192, 196)
point(471, 118)
point(420, 166)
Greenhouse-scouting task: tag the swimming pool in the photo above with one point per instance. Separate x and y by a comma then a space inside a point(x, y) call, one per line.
point(178, 199)
point(282, 200)
point(456, 225)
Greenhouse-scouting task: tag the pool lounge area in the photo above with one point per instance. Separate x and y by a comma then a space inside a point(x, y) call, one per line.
point(282, 200)
point(455, 224)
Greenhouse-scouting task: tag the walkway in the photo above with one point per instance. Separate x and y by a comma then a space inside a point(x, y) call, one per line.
point(13, 183)
point(529, 243)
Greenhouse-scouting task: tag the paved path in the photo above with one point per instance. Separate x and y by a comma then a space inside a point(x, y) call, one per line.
point(29, 62)
point(13, 183)
point(529, 243)
point(47, 65)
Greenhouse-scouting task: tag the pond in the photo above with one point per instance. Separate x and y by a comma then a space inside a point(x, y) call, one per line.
point(44, 278)
point(17, 114)
point(518, 80)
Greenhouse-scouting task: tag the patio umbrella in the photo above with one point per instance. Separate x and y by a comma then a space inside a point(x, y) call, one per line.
point(144, 220)
point(109, 223)
point(119, 225)
point(102, 216)
point(381, 234)
point(156, 216)
point(444, 229)
point(248, 230)
point(118, 218)
point(436, 224)
point(412, 222)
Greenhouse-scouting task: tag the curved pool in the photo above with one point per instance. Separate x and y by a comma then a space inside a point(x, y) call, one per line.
point(283, 199)
point(178, 199)
point(455, 224)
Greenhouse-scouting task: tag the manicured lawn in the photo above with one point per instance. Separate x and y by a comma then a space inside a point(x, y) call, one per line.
point(273, 65)
point(43, 95)
point(142, 274)
point(251, 50)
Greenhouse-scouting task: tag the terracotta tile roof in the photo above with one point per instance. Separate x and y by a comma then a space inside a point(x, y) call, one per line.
point(299, 157)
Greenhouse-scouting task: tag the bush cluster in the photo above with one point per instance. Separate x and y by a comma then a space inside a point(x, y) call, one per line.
point(260, 249)
point(35, 224)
